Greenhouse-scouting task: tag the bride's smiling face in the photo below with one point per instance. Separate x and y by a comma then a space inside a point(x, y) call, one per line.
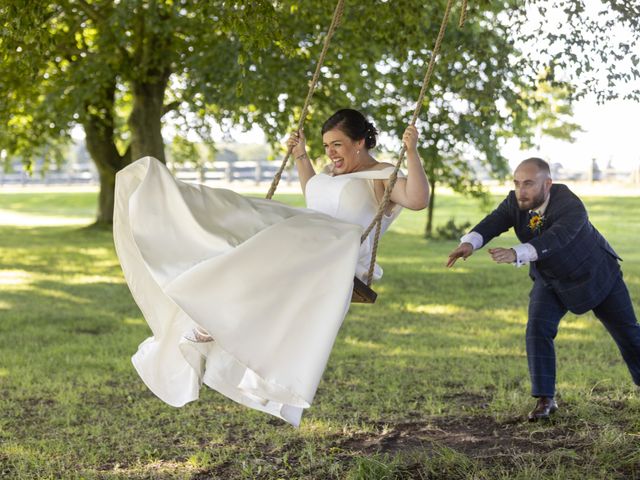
point(342, 151)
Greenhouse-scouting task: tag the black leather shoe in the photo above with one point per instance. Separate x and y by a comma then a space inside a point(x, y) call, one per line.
point(544, 408)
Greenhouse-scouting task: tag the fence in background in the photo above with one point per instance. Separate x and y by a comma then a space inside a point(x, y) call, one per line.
point(221, 171)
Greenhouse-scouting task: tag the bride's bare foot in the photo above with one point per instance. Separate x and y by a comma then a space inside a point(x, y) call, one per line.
point(197, 335)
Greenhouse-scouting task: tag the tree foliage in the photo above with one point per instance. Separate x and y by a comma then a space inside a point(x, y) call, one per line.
point(593, 45)
point(552, 115)
point(117, 68)
point(122, 69)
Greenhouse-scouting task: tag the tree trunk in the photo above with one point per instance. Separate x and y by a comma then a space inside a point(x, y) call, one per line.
point(99, 130)
point(146, 138)
point(428, 231)
point(108, 161)
point(106, 198)
point(145, 120)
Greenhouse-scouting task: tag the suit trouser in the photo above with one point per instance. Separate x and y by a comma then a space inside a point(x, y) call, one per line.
point(545, 311)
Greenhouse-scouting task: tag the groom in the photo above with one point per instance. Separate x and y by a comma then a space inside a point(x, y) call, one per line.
point(572, 266)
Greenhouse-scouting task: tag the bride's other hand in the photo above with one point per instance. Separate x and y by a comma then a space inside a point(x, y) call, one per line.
point(410, 138)
point(297, 143)
point(298, 149)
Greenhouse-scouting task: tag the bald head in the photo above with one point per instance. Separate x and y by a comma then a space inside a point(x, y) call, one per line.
point(532, 181)
point(537, 163)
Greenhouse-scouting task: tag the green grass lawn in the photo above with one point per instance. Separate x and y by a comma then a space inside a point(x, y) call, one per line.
point(430, 382)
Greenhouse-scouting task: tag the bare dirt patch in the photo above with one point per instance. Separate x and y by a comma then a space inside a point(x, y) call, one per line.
point(475, 436)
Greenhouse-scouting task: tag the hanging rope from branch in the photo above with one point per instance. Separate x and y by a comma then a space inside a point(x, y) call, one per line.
point(463, 14)
point(377, 220)
point(337, 15)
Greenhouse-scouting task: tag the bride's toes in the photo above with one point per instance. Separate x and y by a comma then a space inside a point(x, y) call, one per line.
point(197, 335)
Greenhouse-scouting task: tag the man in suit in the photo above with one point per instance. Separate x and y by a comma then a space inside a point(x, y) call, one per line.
point(572, 266)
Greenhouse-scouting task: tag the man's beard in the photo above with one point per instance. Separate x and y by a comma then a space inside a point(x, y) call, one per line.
point(534, 203)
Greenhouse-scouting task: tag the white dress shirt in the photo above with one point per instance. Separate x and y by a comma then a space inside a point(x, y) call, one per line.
point(525, 252)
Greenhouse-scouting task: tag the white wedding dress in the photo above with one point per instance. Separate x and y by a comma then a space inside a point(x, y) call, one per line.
point(269, 283)
point(351, 198)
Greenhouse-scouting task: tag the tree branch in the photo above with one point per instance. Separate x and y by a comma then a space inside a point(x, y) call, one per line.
point(170, 107)
point(98, 17)
point(90, 12)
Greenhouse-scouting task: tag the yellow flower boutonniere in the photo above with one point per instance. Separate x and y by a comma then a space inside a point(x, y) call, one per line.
point(536, 222)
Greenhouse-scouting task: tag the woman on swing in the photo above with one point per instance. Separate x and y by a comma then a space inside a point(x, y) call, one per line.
point(348, 137)
point(247, 295)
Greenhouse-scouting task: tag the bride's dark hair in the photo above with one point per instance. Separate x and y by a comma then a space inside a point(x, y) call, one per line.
point(354, 125)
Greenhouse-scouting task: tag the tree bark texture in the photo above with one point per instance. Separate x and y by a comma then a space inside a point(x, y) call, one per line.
point(145, 121)
point(428, 232)
point(99, 130)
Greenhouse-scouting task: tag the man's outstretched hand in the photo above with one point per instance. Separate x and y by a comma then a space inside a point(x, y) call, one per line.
point(503, 255)
point(463, 251)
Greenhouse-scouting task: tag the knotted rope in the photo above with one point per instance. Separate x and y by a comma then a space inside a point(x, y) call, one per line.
point(337, 15)
point(377, 220)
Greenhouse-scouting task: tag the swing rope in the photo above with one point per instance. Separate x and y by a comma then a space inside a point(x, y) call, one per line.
point(463, 14)
point(337, 15)
point(377, 220)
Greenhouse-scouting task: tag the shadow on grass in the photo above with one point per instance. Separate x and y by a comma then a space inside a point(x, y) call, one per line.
point(437, 363)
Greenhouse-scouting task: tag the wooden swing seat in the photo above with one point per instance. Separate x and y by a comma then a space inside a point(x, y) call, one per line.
point(362, 293)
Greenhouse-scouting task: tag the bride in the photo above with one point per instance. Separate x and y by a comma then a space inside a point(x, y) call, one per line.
point(247, 295)
point(348, 137)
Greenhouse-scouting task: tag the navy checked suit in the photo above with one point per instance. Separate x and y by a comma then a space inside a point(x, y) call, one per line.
point(577, 271)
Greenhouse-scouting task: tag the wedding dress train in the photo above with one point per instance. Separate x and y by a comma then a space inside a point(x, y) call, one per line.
point(266, 285)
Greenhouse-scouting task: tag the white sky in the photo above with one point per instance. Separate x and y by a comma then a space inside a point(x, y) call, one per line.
point(611, 130)
point(611, 133)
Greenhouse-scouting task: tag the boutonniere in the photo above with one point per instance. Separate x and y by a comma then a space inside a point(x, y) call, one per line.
point(536, 222)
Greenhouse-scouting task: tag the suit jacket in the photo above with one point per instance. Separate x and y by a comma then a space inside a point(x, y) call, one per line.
point(574, 259)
